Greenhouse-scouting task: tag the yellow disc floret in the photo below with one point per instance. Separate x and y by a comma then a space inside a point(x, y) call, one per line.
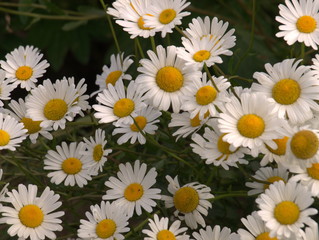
point(167, 16)
point(97, 152)
point(265, 236)
point(272, 180)
point(201, 55)
point(313, 171)
point(31, 216)
point(133, 192)
point(286, 91)
point(286, 212)
point(55, 109)
point(140, 23)
point(141, 122)
point(24, 73)
point(281, 146)
point(123, 107)
point(105, 228)
point(169, 79)
point(71, 165)
point(186, 199)
point(223, 146)
point(165, 235)
point(306, 24)
point(30, 125)
point(304, 144)
point(206, 95)
point(251, 126)
point(113, 77)
point(4, 137)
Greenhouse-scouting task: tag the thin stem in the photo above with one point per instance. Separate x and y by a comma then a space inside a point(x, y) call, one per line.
point(153, 44)
point(180, 31)
point(210, 77)
point(140, 49)
point(231, 194)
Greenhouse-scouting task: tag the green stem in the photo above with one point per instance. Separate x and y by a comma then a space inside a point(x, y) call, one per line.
point(180, 31)
point(210, 76)
point(140, 49)
point(302, 52)
point(232, 194)
point(153, 44)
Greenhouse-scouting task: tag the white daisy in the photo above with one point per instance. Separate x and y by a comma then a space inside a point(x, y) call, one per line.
point(52, 104)
point(117, 6)
point(190, 201)
point(293, 89)
point(145, 120)
point(95, 152)
point(217, 233)
point(33, 127)
point(300, 22)
point(214, 149)
point(133, 15)
point(267, 174)
point(116, 72)
point(284, 208)
point(24, 66)
point(165, 78)
point(31, 216)
point(5, 87)
point(164, 15)
point(67, 164)
point(278, 154)
point(212, 29)
point(132, 189)
point(160, 230)
point(12, 133)
point(311, 233)
point(106, 221)
point(205, 96)
point(250, 123)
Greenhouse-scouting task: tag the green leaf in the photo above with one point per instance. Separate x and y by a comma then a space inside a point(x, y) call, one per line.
point(24, 19)
point(73, 25)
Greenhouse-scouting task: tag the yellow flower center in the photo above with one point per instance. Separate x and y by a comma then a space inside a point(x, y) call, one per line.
point(304, 144)
point(30, 125)
point(165, 235)
point(55, 109)
point(306, 24)
point(195, 121)
point(272, 180)
point(265, 236)
point(281, 146)
point(186, 199)
point(123, 107)
point(251, 126)
point(141, 123)
point(313, 171)
point(286, 212)
point(31, 216)
point(201, 55)
point(24, 73)
point(113, 77)
point(223, 146)
point(4, 137)
point(286, 91)
point(97, 152)
point(169, 79)
point(105, 228)
point(205, 95)
point(71, 165)
point(133, 192)
point(167, 16)
point(140, 23)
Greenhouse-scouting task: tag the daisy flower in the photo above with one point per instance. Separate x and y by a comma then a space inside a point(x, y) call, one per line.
point(5, 87)
point(118, 104)
point(67, 164)
point(267, 174)
point(117, 7)
point(212, 29)
point(144, 121)
point(190, 201)
point(32, 216)
point(24, 66)
point(116, 72)
point(300, 22)
point(215, 150)
point(52, 104)
point(12, 133)
point(250, 123)
point(106, 221)
point(278, 154)
point(311, 233)
point(293, 89)
point(132, 189)
point(215, 234)
point(95, 153)
point(165, 78)
point(19, 112)
point(160, 230)
point(284, 208)
point(133, 15)
point(164, 15)
point(205, 96)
